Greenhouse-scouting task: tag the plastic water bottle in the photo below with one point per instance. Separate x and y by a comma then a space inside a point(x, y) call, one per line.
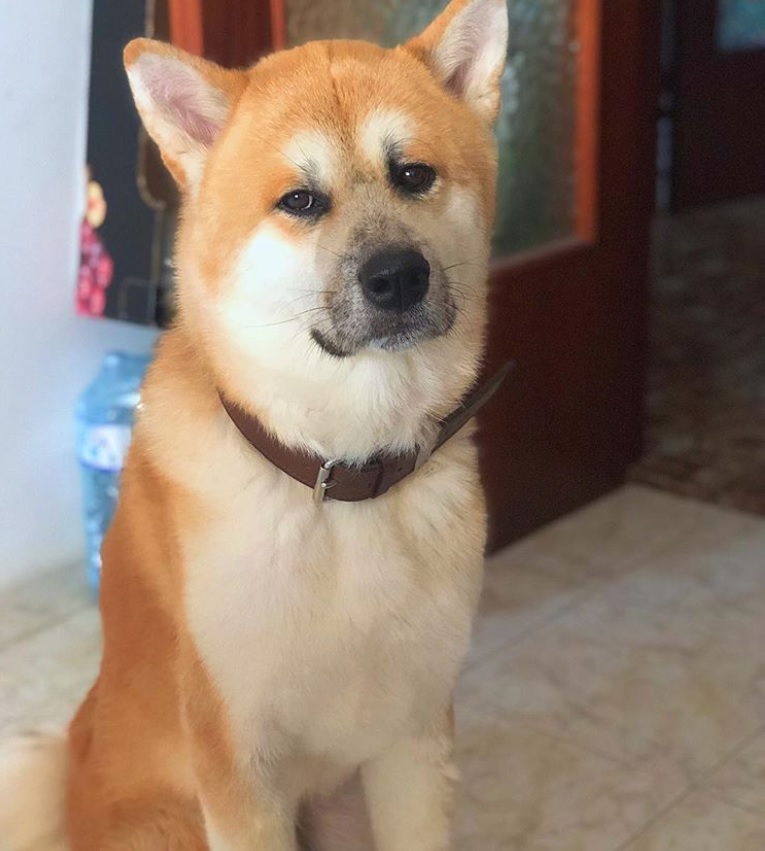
point(104, 427)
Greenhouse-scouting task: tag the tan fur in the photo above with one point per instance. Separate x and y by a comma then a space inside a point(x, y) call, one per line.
point(270, 664)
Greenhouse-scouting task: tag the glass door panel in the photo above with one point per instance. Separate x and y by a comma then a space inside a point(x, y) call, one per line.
point(540, 182)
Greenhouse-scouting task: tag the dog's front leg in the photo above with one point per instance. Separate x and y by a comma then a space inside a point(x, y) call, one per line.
point(243, 817)
point(409, 793)
point(243, 809)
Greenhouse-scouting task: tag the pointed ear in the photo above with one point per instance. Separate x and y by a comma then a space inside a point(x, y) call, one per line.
point(466, 48)
point(183, 101)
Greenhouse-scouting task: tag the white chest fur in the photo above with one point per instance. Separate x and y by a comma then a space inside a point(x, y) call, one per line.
point(335, 629)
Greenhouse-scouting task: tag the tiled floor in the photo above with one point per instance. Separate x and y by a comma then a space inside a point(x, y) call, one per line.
point(614, 699)
point(705, 429)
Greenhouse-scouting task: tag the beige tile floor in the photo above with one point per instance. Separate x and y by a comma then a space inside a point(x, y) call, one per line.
point(614, 698)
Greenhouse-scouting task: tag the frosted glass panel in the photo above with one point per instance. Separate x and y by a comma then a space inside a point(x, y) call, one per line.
point(536, 131)
point(741, 24)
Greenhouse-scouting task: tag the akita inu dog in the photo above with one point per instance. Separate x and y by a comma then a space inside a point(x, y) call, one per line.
point(291, 575)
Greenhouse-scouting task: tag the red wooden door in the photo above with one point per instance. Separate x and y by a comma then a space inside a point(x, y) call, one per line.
point(572, 314)
point(569, 284)
point(717, 80)
point(233, 33)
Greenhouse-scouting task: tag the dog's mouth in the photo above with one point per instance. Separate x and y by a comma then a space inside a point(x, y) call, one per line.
point(347, 334)
point(327, 345)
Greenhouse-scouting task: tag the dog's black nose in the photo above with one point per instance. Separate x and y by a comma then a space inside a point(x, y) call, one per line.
point(395, 279)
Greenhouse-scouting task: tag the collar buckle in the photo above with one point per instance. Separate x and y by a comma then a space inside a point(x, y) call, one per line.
point(322, 483)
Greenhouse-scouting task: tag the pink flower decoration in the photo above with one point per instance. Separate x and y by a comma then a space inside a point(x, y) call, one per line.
point(96, 272)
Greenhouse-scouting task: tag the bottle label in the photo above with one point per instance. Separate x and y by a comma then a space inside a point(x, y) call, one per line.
point(104, 447)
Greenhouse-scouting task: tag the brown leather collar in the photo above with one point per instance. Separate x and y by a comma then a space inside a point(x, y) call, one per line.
point(353, 483)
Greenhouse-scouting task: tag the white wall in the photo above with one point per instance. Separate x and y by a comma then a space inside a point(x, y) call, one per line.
point(47, 354)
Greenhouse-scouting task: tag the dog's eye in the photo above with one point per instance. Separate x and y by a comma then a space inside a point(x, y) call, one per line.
point(414, 178)
point(303, 202)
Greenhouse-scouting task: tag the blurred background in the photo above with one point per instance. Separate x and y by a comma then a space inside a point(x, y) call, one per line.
point(614, 694)
point(628, 284)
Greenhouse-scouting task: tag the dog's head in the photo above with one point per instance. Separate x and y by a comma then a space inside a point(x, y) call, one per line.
point(338, 206)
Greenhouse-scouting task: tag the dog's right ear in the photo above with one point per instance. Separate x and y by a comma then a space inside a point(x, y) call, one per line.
point(183, 101)
point(465, 47)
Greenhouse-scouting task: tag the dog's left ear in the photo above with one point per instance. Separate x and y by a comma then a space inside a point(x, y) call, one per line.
point(466, 48)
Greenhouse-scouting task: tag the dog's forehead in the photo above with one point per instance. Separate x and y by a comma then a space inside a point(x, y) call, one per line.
point(373, 136)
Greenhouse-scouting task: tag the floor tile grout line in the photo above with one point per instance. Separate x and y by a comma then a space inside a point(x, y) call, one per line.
point(674, 800)
point(19, 722)
point(40, 629)
point(534, 627)
point(730, 801)
point(61, 574)
point(652, 768)
point(635, 764)
point(648, 764)
point(657, 817)
point(586, 595)
point(735, 751)
point(645, 765)
point(594, 572)
point(733, 510)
